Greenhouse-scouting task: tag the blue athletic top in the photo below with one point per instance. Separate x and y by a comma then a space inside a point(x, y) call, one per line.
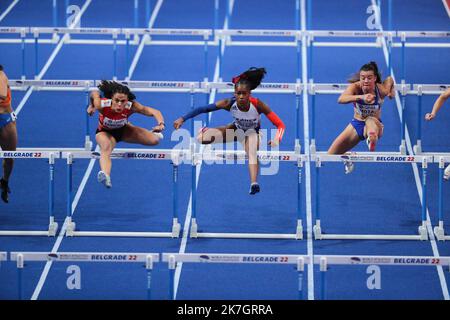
point(367, 110)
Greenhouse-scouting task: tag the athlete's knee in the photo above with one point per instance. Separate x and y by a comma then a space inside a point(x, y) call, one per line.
point(372, 135)
point(152, 140)
point(106, 147)
point(205, 138)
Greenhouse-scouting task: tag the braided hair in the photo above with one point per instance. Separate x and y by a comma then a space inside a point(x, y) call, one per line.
point(251, 78)
point(109, 88)
point(371, 66)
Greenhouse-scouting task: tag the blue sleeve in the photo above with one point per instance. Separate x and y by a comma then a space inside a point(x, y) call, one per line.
point(197, 111)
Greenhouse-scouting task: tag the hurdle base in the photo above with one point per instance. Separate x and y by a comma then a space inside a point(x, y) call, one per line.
point(25, 233)
point(52, 229)
point(423, 232)
point(402, 147)
point(88, 145)
point(71, 227)
point(312, 148)
point(176, 228)
point(246, 235)
point(440, 234)
point(51, 232)
point(194, 228)
point(299, 233)
point(417, 148)
point(121, 234)
point(368, 237)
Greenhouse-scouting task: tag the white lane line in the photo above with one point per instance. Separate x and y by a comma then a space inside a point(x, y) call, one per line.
point(144, 40)
point(77, 197)
point(434, 247)
point(189, 209)
point(10, 7)
point(309, 220)
point(52, 56)
point(57, 244)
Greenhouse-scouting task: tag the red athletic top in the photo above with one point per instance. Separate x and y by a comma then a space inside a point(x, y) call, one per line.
point(109, 119)
point(7, 101)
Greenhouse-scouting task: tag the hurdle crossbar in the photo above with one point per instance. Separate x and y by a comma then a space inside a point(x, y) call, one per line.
point(442, 160)
point(173, 155)
point(282, 259)
point(218, 157)
point(148, 259)
point(374, 158)
point(37, 154)
point(227, 34)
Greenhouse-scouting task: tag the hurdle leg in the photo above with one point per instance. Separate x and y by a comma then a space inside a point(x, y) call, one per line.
point(53, 226)
point(70, 225)
point(149, 267)
point(172, 266)
point(176, 227)
point(439, 230)
point(194, 226)
point(299, 230)
point(418, 147)
point(323, 278)
point(20, 264)
point(317, 229)
point(423, 229)
point(300, 270)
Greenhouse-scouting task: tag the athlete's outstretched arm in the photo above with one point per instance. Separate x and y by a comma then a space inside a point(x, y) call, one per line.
point(351, 95)
point(438, 104)
point(96, 102)
point(387, 88)
point(150, 112)
point(276, 121)
point(222, 104)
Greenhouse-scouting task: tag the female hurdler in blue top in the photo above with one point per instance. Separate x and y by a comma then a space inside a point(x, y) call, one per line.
point(246, 111)
point(367, 93)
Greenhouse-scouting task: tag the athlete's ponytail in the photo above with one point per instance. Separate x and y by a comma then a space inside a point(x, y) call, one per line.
point(252, 77)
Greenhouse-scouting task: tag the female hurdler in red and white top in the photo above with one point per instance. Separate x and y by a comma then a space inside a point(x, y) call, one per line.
point(116, 104)
point(246, 111)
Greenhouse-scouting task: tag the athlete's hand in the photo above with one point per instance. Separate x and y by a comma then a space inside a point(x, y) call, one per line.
point(178, 123)
point(391, 93)
point(90, 110)
point(159, 128)
point(274, 143)
point(430, 116)
point(369, 98)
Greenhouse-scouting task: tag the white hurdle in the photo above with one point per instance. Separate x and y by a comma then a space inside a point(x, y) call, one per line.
point(231, 155)
point(112, 257)
point(282, 259)
point(373, 158)
point(326, 260)
point(173, 155)
point(37, 154)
